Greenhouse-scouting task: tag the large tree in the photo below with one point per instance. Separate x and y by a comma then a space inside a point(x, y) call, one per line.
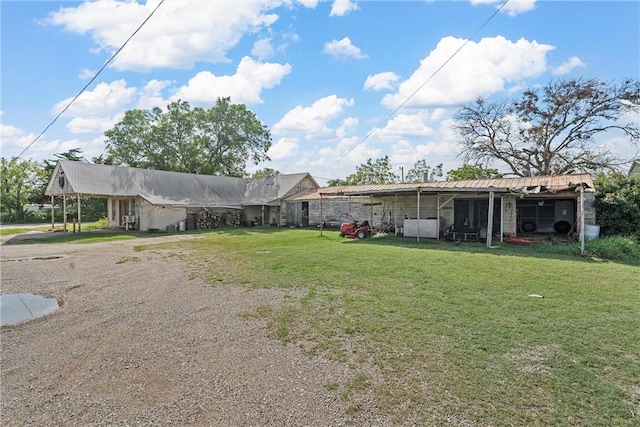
point(421, 171)
point(19, 184)
point(466, 172)
point(217, 141)
point(371, 172)
point(551, 130)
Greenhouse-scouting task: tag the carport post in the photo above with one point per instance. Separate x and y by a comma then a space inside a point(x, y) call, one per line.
point(438, 218)
point(64, 212)
point(490, 220)
point(581, 219)
point(321, 214)
point(395, 217)
point(418, 223)
point(371, 202)
point(53, 213)
point(79, 215)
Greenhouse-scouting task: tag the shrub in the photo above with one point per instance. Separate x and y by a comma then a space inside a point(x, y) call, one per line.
point(617, 204)
point(618, 248)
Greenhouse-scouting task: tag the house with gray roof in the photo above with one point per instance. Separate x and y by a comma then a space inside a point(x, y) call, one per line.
point(145, 199)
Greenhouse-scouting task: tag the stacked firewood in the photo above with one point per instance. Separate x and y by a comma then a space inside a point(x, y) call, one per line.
point(206, 218)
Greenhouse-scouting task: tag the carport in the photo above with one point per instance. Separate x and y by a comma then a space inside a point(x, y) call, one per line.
point(426, 209)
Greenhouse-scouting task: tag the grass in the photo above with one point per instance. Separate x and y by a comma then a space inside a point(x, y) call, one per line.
point(439, 332)
point(96, 225)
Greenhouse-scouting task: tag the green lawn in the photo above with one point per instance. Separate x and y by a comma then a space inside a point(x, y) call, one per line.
point(446, 334)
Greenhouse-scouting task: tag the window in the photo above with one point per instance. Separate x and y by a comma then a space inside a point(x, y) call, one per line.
point(113, 209)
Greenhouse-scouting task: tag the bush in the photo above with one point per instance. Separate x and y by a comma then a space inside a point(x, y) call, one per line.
point(619, 248)
point(617, 204)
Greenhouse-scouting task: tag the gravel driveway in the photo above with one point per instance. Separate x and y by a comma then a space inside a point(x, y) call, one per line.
point(137, 342)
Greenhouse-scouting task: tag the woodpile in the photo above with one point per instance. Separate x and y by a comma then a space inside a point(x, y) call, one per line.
point(207, 218)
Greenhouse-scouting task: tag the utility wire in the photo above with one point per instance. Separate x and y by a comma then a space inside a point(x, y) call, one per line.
point(91, 81)
point(381, 122)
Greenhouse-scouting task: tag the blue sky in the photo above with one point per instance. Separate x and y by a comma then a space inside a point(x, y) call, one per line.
point(322, 75)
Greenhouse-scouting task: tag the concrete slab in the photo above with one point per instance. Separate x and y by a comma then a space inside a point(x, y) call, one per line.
point(16, 308)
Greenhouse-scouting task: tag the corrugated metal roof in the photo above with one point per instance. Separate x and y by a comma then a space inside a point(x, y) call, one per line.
point(546, 183)
point(168, 188)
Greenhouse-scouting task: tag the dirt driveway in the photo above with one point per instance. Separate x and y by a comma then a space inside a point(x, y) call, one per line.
point(138, 342)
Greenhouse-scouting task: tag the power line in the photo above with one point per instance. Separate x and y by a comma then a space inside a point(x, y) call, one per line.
point(90, 81)
point(390, 115)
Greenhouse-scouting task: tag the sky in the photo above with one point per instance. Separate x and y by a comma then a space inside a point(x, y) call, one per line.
point(336, 82)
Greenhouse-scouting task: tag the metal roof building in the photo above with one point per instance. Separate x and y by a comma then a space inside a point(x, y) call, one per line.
point(131, 189)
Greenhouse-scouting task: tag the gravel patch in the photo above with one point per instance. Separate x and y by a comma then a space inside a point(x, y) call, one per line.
point(138, 342)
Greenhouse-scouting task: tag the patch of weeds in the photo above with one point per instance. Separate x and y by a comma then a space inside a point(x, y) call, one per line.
point(332, 385)
point(263, 311)
point(128, 259)
point(616, 248)
point(353, 409)
point(360, 382)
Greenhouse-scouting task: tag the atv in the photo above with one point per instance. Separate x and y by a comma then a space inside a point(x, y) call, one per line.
point(352, 230)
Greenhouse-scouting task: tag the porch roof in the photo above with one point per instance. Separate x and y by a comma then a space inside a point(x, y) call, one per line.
point(526, 185)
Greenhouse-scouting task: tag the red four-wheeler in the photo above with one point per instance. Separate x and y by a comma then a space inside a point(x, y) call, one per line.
point(351, 230)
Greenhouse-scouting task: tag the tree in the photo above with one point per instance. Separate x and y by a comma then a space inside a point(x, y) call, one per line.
point(551, 132)
point(378, 172)
point(466, 172)
point(218, 141)
point(264, 173)
point(617, 204)
point(422, 170)
point(18, 185)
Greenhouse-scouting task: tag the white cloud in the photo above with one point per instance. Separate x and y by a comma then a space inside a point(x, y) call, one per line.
point(14, 141)
point(86, 74)
point(151, 94)
point(348, 125)
point(284, 148)
point(244, 87)
point(262, 49)
point(312, 121)
point(568, 66)
point(401, 126)
point(178, 35)
point(478, 69)
point(342, 7)
point(513, 7)
point(343, 49)
point(622, 147)
point(380, 81)
point(103, 100)
point(95, 110)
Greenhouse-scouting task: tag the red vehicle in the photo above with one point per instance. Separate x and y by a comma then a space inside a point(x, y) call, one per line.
point(352, 230)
